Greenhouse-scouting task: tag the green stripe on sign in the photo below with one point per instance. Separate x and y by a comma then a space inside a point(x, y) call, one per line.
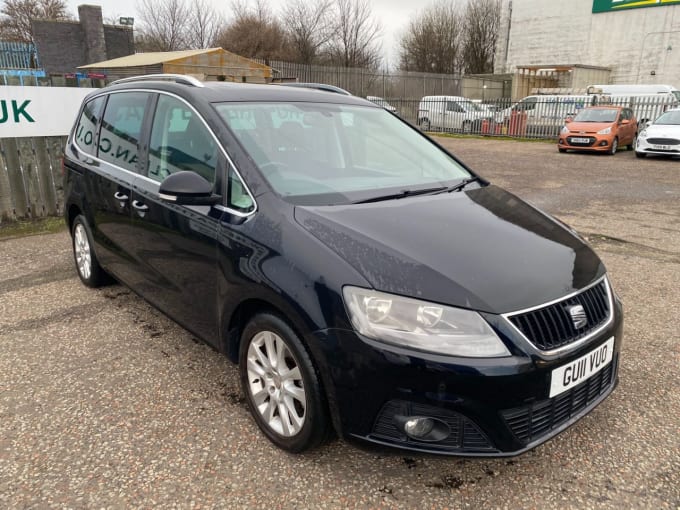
point(619, 5)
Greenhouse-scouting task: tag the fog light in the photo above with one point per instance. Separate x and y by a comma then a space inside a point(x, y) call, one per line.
point(603, 143)
point(418, 427)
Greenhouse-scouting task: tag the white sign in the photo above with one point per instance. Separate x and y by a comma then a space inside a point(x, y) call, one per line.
point(39, 111)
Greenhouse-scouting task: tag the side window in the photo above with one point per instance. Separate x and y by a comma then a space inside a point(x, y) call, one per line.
point(452, 106)
point(86, 129)
point(237, 196)
point(180, 141)
point(526, 104)
point(121, 128)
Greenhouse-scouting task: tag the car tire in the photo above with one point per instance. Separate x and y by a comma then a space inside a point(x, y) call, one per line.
point(287, 401)
point(631, 145)
point(467, 127)
point(640, 154)
point(614, 147)
point(425, 125)
point(87, 265)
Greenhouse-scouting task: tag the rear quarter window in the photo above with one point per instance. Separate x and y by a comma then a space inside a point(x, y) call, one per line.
point(85, 133)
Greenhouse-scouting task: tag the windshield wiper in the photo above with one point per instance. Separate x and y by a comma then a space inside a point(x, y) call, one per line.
point(402, 194)
point(462, 184)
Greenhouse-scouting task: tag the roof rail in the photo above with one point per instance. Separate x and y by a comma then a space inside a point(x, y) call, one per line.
point(318, 86)
point(177, 78)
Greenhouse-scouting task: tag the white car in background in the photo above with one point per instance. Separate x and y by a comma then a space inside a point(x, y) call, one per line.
point(661, 136)
point(381, 102)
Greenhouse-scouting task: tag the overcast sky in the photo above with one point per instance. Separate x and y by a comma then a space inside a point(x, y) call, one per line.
point(394, 16)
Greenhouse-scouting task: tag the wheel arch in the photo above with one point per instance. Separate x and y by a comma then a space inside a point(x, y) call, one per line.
point(72, 212)
point(235, 320)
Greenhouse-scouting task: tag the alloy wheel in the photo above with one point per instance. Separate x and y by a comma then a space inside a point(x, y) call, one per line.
point(275, 384)
point(81, 245)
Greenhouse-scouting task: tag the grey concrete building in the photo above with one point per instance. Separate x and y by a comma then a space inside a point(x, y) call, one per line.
point(63, 46)
point(638, 41)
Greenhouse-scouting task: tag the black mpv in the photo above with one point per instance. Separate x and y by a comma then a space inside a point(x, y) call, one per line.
point(363, 278)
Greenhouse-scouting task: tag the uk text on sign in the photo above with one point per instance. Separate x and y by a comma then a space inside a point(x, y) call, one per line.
point(620, 5)
point(39, 111)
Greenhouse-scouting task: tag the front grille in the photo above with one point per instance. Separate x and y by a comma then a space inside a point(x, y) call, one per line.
point(464, 434)
point(531, 422)
point(552, 326)
point(663, 141)
point(591, 141)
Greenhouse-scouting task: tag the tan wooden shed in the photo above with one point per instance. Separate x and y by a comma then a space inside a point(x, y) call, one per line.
point(209, 64)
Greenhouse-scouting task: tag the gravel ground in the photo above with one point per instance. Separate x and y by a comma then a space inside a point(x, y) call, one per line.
point(105, 402)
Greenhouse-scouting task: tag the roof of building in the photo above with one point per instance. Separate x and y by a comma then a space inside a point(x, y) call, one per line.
point(160, 57)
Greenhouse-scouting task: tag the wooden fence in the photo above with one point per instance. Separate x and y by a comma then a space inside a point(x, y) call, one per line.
point(30, 168)
point(31, 177)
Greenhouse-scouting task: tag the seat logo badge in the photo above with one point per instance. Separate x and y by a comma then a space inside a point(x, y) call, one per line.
point(578, 316)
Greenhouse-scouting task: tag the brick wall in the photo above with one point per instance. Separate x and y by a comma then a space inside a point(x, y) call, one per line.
point(62, 46)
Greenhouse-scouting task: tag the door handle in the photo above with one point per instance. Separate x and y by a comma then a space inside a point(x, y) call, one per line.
point(119, 196)
point(139, 206)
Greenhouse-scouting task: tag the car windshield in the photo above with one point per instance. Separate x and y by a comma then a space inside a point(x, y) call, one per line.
point(669, 118)
point(597, 115)
point(322, 154)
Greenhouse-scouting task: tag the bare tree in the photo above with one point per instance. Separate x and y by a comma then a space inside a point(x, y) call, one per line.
point(164, 25)
point(432, 42)
point(204, 24)
point(355, 42)
point(482, 18)
point(15, 24)
point(255, 32)
point(309, 28)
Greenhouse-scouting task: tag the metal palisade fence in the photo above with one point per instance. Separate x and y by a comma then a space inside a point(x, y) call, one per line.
point(369, 82)
point(534, 117)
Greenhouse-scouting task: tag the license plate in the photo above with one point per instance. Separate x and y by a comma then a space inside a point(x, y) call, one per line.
point(662, 147)
point(580, 140)
point(577, 371)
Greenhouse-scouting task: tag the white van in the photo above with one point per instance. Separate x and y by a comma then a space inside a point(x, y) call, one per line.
point(647, 101)
point(545, 114)
point(634, 90)
point(450, 113)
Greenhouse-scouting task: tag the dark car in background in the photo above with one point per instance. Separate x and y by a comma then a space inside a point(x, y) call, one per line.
point(363, 278)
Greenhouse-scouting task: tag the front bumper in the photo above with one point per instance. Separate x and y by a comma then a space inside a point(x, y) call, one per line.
point(597, 143)
point(490, 407)
point(665, 149)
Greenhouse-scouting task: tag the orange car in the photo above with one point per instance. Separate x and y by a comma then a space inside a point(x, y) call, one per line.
point(599, 128)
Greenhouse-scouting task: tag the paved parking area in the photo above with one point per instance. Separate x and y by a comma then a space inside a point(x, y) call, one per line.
point(104, 402)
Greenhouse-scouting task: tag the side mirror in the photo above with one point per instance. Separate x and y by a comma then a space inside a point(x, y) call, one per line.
point(625, 121)
point(567, 120)
point(187, 188)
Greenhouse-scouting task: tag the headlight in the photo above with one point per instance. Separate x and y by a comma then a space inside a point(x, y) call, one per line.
point(421, 325)
point(565, 130)
point(605, 131)
point(643, 134)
